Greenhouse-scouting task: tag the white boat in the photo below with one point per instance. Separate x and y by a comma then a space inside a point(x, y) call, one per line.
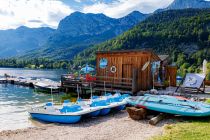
point(46, 85)
point(65, 114)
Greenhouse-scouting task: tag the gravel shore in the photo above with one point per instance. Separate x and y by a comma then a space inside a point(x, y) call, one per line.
point(112, 127)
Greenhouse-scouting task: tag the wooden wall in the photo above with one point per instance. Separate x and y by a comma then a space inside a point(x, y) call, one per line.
point(127, 63)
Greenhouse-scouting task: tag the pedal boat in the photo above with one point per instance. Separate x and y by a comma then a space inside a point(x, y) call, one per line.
point(67, 114)
point(108, 102)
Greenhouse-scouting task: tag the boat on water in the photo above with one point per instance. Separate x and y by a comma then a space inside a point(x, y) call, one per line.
point(43, 87)
point(46, 85)
point(170, 104)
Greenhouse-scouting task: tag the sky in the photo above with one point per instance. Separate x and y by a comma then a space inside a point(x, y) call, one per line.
point(48, 13)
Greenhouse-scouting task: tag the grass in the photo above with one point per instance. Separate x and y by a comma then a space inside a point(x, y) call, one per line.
point(70, 96)
point(191, 130)
point(208, 101)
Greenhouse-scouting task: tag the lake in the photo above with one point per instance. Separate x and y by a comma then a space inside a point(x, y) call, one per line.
point(15, 100)
point(49, 73)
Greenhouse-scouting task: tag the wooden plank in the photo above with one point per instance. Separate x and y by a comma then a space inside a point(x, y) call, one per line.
point(157, 119)
point(134, 81)
point(207, 82)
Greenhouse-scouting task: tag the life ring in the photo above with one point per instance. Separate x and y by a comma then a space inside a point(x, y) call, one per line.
point(113, 69)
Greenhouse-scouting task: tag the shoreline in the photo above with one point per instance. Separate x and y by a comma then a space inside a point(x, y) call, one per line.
point(116, 126)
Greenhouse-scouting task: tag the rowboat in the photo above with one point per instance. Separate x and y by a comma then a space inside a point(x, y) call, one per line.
point(170, 104)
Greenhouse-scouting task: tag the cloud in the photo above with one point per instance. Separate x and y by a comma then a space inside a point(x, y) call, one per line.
point(16, 13)
point(36, 21)
point(119, 8)
point(37, 13)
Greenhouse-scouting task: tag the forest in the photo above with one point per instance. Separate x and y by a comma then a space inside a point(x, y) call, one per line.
point(39, 63)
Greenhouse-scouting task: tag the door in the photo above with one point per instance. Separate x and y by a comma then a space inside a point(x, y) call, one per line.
point(127, 72)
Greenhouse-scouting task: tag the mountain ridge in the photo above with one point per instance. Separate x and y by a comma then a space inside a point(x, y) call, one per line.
point(78, 31)
point(185, 4)
point(22, 39)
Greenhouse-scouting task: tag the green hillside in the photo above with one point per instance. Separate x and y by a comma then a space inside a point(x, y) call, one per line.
point(183, 34)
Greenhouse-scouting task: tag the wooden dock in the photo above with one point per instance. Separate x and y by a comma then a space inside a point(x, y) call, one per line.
point(3, 80)
point(28, 82)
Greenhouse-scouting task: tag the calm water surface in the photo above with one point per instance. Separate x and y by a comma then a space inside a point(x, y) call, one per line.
point(15, 100)
point(50, 74)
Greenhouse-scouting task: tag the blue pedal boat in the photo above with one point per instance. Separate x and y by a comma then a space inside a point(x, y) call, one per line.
point(105, 109)
point(115, 101)
point(88, 104)
point(109, 101)
point(171, 104)
point(68, 113)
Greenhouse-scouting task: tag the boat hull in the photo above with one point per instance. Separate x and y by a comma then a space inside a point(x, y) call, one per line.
point(105, 111)
point(119, 108)
point(68, 119)
point(46, 90)
point(94, 114)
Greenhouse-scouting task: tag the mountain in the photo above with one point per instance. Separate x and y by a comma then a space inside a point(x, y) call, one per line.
point(184, 4)
point(183, 34)
point(78, 31)
point(17, 41)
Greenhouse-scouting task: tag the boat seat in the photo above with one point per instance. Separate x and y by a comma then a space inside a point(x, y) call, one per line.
point(72, 108)
point(49, 107)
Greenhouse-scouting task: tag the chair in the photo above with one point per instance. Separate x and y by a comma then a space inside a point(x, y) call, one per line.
point(193, 82)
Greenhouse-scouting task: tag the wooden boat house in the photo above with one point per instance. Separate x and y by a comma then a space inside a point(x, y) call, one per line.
point(124, 69)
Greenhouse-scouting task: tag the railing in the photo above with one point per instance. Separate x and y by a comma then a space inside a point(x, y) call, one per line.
point(111, 82)
point(98, 82)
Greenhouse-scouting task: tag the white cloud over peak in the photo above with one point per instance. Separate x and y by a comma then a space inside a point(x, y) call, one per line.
point(119, 8)
point(39, 13)
point(32, 13)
